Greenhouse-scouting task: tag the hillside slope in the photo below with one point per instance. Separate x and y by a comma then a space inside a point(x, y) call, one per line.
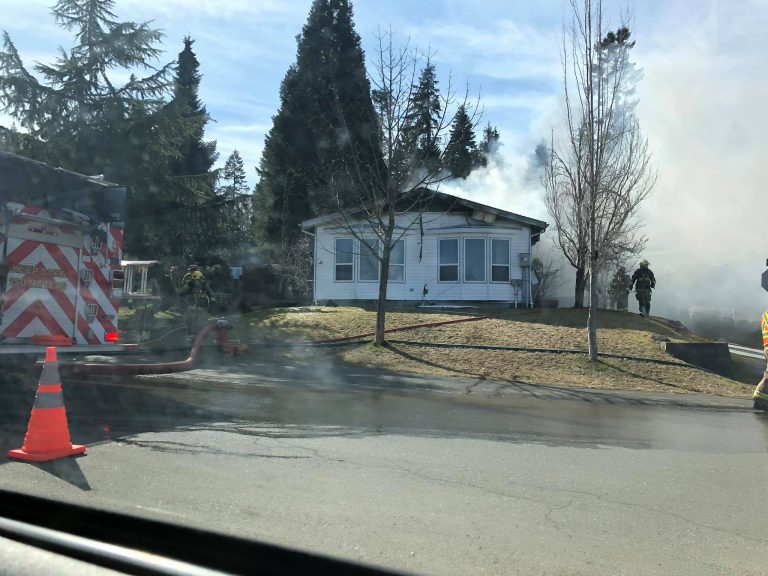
point(620, 333)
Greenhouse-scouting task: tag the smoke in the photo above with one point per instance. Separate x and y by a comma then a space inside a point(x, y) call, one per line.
point(702, 106)
point(510, 181)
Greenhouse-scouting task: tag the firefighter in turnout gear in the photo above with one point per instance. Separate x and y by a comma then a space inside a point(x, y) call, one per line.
point(644, 281)
point(197, 295)
point(195, 285)
point(760, 395)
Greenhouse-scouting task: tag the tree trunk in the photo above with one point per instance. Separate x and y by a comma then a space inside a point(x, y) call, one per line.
point(592, 321)
point(381, 304)
point(581, 286)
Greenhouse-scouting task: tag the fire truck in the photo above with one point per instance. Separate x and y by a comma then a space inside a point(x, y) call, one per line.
point(61, 280)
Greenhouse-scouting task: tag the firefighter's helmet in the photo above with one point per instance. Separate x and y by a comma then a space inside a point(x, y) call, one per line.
point(644, 262)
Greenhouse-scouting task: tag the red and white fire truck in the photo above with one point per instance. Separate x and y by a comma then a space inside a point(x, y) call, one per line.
point(62, 240)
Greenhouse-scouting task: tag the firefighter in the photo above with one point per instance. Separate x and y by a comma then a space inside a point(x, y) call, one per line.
point(619, 289)
point(760, 395)
point(644, 282)
point(195, 284)
point(193, 273)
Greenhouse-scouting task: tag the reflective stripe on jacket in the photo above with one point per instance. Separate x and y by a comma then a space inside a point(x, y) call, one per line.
point(764, 325)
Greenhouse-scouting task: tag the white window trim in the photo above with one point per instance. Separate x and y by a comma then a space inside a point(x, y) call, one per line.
point(508, 264)
point(405, 258)
point(458, 261)
point(335, 263)
point(362, 245)
point(485, 260)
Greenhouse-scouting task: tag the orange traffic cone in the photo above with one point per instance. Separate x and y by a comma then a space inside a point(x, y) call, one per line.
point(47, 433)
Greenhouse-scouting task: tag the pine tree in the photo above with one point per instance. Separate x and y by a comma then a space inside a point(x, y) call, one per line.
point(461, 151)
point(488, 145)
point(325, 113)
point(235, 201)
point(197, 157)
point(234, 174)
point(190, 226)
point(425, 118)
point(75, 115)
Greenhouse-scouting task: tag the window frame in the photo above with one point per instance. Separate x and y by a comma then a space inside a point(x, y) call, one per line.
point(389, 277)
point(363, 245)
point(457, 264)
point(336, 262)
point(485, 261)
point(508, 265)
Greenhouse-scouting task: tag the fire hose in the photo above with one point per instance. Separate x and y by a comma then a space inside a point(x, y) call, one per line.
point(400, 329)
point(103, 369)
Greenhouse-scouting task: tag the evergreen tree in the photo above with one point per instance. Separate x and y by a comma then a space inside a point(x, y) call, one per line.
point(197, 157)
point(325, 113)
point(234, 174)
point(75, 114)
point(488, 145)
point(461, 151)
point(425, 118)
point(235, 201)
point(190, 223)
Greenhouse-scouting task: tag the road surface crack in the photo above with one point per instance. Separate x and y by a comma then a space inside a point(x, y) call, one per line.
point(183, 448)
point(551, 507)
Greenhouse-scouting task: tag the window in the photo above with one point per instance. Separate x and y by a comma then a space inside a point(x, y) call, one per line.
point(397, 262)
point(499, 260)
point(344, 265)
point(369, 260)
point(474, 260)
point(448, 259)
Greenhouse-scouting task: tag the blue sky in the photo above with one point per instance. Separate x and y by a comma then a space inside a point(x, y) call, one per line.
point(702, 105)
point(506, 51)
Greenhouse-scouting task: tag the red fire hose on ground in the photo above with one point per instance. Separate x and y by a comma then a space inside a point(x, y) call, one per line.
point(142, 369)
point(400, 329)
point(222, 326)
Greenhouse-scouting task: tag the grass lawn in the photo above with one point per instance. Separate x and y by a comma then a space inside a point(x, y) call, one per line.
point(620, 333)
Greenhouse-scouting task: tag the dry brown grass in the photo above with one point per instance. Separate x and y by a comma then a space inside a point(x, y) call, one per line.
point(620, 333)
point(319, 323)
point(543, 368)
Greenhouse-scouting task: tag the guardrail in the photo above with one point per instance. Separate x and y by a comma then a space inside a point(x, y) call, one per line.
point(745, 351)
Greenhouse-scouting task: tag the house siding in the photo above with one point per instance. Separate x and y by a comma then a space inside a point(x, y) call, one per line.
point(423, 272)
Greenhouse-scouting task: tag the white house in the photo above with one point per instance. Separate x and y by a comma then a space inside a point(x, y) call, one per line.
point(457, 250)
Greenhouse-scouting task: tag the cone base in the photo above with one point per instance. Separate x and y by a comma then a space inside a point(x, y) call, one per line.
point(45, 456)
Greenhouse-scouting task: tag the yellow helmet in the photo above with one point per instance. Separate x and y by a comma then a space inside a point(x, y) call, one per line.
point(644, 262)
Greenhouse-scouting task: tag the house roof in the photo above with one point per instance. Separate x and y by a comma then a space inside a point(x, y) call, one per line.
point(448, 203)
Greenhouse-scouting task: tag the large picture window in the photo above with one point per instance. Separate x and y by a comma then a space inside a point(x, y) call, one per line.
point(448, 259)
point(344, 253)
point(474, 260)
point(369, 260)
point(499, 260)
point(397, 262)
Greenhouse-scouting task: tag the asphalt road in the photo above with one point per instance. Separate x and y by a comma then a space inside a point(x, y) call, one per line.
point(438, 476)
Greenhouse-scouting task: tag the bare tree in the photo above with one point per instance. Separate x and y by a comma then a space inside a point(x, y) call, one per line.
point(296, 272)
point(378, 205)
point(547, 280)
point(599, 173)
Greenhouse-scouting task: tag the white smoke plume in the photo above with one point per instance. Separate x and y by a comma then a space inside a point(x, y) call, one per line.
point(703, 105)
point(703, 108)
